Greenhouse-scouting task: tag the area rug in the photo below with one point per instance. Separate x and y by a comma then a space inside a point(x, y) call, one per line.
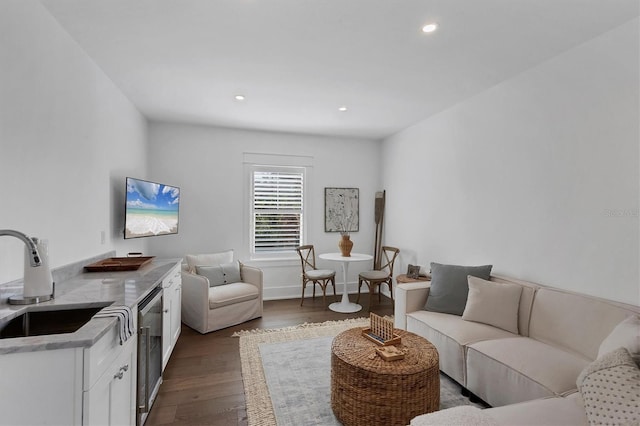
point(285, 374)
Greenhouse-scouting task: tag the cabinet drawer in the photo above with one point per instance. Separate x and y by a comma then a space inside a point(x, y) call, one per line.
point(99, 356)
point(112, 399)
point(174, 276)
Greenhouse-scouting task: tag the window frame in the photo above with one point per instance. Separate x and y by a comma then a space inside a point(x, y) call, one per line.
point(275, 254)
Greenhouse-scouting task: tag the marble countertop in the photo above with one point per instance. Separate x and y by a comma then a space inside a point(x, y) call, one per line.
point(89, 289)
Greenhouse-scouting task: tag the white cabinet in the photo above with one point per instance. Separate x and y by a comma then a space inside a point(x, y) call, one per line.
point(109, 396)
point(171, 309)
point(94, 385)
point(41, 387)
point(90, 386)
point(111, 400)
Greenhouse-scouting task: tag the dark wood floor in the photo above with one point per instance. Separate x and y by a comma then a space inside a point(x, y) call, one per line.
point(203, 379)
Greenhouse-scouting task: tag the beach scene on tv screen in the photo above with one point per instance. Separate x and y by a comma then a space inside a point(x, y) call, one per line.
point(152, 209)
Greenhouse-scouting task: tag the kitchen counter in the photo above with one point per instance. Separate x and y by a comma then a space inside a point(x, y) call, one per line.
point(87, 289)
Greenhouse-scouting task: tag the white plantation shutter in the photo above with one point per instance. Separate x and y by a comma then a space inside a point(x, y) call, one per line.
point(277, 209)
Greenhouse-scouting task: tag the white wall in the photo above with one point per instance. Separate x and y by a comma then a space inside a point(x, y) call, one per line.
point(207, 164)
point(538, 176)
point(67, 139)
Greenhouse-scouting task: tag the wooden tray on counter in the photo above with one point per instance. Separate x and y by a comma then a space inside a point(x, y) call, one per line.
point(118, 264)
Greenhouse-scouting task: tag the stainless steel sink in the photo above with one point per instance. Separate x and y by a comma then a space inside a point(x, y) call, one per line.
point(45, 322)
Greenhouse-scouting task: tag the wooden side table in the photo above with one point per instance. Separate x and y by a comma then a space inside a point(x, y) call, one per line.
point(401, 279)
point(367, 390)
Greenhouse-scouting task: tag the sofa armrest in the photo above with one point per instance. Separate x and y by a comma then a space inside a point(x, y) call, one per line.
point(195, 301)
point(251, 275)
point(410, 297)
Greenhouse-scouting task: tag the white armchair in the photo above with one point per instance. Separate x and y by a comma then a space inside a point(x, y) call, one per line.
point(208, 308)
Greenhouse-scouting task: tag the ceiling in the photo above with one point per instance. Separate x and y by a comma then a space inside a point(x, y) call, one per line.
point(298, 61)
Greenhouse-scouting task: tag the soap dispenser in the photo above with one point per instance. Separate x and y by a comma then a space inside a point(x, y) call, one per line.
point(38, 281)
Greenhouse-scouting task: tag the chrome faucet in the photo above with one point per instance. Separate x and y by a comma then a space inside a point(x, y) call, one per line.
point(34, 256)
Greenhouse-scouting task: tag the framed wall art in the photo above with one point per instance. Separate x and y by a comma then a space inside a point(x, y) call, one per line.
point(413, 271)
point(341, 210)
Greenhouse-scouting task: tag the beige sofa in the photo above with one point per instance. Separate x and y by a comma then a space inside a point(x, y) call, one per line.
point(554, 411)
point(559, 333)
point(208, 307)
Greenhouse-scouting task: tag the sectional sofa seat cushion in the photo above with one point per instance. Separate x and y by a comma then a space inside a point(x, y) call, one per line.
point(462, 415)
point(610, 389)
point(493, 303)
point(540, 412)
point(516, 369)
point(450, 334)
point(624, 335)
point(449, 287)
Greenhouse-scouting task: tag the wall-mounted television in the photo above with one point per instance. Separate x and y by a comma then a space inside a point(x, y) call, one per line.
point(151, 209)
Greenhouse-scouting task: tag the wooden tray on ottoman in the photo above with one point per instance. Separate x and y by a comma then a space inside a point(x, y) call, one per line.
point(118, 264)
point(390, 353)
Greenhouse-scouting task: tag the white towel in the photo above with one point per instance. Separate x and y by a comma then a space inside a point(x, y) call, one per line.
point(125, 320)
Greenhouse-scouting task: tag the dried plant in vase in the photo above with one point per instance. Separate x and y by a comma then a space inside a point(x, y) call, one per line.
point(341, 215)
point(345, 244)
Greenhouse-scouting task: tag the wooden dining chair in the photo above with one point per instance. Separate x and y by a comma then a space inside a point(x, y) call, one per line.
point(384, 275)
point(310, 274)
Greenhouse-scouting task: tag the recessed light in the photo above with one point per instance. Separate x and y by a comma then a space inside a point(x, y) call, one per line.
point(429, 28)
point(342, 108)
point(239, 98)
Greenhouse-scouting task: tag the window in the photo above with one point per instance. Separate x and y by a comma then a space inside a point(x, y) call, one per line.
point(277, 216)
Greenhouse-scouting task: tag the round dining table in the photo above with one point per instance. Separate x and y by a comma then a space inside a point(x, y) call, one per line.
point(345, 305)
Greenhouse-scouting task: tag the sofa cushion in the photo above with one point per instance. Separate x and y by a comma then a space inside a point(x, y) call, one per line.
point(231, 294)
point(574, 321)
point(506, 371)
point(449, 334)
point(554, 411)
point(463, 332)
point(449, 287)
point(526, 301)
point(222, 274)
point(493, 303)
point(624, 335)
point(461, 415)
point(210, 259)
point(610, 387)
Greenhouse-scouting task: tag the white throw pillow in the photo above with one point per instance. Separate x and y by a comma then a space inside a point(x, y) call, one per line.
point(609, 387)
point(624, 335)
point(493, 303)
point(225, 273)
point(211, 259)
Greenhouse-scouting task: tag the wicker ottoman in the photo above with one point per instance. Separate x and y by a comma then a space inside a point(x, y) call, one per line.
point(367, 390)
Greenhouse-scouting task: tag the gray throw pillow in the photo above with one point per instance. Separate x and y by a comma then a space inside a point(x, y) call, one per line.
point(222, 274)
point(449, 286)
